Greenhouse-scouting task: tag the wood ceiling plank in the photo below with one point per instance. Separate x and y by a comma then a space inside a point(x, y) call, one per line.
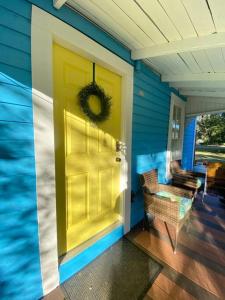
point(191, 62)
point(141, 19)
point(218, 11)
point(178, 14)
point(216, 59)
point(200, 16)
point(162, 65)
point(160, 18)
point(111, 9)
point(177, 64)
point(91, 11)
point(203, 61)
point(171, 64)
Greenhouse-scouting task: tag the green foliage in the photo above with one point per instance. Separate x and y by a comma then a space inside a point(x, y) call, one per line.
point(211, 129)
point(92, 89)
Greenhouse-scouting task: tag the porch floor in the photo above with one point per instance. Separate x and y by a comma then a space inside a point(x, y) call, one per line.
point(197, 270)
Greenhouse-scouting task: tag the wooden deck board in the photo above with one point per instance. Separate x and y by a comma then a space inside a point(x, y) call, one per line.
point(198, 268)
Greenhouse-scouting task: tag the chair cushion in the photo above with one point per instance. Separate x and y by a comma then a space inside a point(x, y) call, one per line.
point(200, 168)
point(185, 203)
point(200, 181)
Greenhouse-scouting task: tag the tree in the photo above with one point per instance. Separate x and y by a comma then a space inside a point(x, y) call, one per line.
point(211, 129)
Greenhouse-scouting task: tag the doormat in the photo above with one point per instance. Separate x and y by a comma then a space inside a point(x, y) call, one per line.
point(122, 272)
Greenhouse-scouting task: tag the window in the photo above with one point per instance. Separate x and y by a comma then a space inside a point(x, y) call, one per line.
point(176, 130)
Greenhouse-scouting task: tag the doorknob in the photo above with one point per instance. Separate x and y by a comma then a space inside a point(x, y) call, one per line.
point(118, 159)
point(121, 147)
point(118, 146)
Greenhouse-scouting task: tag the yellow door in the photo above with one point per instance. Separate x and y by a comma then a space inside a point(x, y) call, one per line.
point(87, 173)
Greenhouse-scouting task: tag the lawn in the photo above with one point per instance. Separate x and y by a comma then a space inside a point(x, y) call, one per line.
point(212, 155)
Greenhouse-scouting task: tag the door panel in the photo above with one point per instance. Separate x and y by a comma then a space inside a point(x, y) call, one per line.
point(87, 173)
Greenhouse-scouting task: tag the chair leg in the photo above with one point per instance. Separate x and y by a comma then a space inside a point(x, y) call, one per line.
point(176, 238)
point(167, 229)
point(188, 225)
point(147, 222)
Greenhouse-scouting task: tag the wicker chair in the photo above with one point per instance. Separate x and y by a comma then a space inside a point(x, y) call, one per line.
point(164, 208)
point(186, 179)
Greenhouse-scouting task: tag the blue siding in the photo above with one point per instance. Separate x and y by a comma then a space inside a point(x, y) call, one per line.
point(150, 131)
point(20, 276)
point(189, 144)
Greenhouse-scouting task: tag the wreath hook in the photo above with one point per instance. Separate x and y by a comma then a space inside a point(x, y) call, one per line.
point(93, 89)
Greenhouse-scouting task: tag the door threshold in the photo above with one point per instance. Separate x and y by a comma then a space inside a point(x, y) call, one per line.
point(77, 250)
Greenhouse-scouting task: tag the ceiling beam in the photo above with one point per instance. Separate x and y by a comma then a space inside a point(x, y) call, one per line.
point(198, 84)
point(203, 93)
point(193, 77)
point(58, 3)
point(211, 112)
point(185, 45)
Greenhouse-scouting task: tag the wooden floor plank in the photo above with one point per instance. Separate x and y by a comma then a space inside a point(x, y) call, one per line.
point(201, 247)
point(156, 293)
point(195, 271)
point(199, 259)
point(172, 289)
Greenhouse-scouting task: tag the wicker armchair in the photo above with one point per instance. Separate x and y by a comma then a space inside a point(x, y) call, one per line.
point(166, 208)
point(186, 179)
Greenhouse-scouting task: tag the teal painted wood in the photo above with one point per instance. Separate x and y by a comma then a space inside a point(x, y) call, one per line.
point(11, 19)
point(150, 131)
point(15, 57)
point(189, 144)
point(14, 39)
point(74, 265)
point(20, 276)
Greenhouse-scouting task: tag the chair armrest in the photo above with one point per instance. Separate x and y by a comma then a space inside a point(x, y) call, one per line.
point(146, 190)
point(176, 190)
point(195, 174)
point(185, 180)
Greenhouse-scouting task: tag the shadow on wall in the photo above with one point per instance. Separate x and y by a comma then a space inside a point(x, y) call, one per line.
point(148, 162)
point(20, 276)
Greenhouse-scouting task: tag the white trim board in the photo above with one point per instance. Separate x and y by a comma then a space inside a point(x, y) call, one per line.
point(180, 46)
point(175, 100)
point(45, 30)
point(58, 3)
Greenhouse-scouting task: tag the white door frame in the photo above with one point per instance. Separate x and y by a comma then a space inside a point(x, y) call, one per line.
point(47, 29)
point(175, 100)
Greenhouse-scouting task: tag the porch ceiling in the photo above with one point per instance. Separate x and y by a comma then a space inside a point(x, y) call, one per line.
point(183, 40)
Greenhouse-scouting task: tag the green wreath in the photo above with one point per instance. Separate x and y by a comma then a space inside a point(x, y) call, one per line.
point(92, 89)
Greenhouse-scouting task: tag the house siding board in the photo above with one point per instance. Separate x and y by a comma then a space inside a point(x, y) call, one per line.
point(189, 144)
point(20, 274)
point(11, 19)
point(20, 269)
point(150, 131)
